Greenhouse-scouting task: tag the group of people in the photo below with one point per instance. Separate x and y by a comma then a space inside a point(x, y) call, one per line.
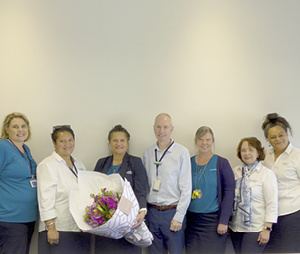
point(189, 203)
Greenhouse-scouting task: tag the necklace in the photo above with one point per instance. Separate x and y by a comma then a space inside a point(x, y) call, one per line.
point(197, 193)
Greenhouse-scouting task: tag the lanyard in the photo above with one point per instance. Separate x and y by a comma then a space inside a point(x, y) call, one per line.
point(31, 171)
point(75, 174)
point(158, 163)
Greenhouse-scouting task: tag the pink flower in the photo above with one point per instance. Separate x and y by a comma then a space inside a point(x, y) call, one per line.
point(102, 209)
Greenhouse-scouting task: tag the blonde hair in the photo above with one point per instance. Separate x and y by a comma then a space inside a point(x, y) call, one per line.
point(7, 121)
point(202, 131)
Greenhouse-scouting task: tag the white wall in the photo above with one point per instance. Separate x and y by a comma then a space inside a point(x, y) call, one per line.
point(94, 64)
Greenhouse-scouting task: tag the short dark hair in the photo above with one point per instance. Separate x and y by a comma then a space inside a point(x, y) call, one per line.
point(118, 128)
point(272, 120)
point(61, 128)
point(255, 143)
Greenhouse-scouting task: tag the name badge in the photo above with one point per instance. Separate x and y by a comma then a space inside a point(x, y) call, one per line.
point(33, 183)
point(156, 185)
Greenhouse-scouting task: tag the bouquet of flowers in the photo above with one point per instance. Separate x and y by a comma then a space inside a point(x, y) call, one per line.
point(102, 209)
point(103, 217)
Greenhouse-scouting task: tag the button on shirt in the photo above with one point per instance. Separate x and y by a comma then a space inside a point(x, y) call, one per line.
point(55, 180)
point(287, 170)
point(174, 174)
point(264, 204)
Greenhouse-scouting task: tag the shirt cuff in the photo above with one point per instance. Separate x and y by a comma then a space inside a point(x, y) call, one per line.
point(143, 209)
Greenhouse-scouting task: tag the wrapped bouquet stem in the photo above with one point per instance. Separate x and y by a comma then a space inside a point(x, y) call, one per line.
point(122, 220)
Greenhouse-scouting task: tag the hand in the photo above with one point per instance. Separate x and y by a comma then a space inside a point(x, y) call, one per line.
point(175, 226)
point(139, 219)
point(53, 236)
point(222, 229)
point(264, 237)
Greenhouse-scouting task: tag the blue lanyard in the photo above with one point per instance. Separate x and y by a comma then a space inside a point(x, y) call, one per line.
point(75, 174)
point(31, 171)
point(158, 163)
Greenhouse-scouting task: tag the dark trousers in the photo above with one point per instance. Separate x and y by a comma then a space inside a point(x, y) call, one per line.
point(104, 245)
point(246, 242)
point(69, 242)
point(201, 234)
point(165, 240)
point(15, 238)
point(285, 235)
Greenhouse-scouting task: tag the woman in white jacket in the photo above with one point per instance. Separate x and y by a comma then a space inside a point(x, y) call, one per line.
point(56, 176)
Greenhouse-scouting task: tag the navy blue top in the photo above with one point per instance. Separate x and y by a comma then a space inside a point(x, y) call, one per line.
point(133, 170)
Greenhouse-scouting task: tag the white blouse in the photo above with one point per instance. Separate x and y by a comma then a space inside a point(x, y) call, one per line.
point(264, 204)
point(287, 170)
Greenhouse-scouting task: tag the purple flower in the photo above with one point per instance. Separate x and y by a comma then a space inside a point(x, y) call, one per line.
point(102, 208)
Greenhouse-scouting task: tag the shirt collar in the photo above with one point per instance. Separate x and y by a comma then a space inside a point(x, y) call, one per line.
point(170, 149)
point(258, 166)
point(288, 150)
point(58, 158)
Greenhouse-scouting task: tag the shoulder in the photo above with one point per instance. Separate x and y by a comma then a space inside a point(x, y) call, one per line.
point(102, 160)
point(179, 146)
point(222, 161)
point(180, 149)
point(149, 150)
point(152, 147)
point(269, 152)
point(48, 160)
point(4, 144)
point(237, 169)
point(132, 158)
point(294, 149)
point(265, 169)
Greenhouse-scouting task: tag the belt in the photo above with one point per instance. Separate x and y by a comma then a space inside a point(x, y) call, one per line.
point(164, 207)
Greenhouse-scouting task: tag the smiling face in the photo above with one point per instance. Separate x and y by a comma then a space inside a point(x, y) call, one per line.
point(163, 129)
point(17, 131)
point(118, 143)
point(204, 143)
point(248, 153)
point(278, 138)
point(64, 144)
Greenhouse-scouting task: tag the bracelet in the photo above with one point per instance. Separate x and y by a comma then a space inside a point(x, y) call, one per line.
point(268, 228)
point(49, 225)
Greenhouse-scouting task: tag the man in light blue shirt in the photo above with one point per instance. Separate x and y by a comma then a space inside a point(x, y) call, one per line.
point(169, 181)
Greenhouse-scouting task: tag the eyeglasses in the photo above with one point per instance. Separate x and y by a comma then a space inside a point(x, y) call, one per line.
point(249, 138)
point(57, 127)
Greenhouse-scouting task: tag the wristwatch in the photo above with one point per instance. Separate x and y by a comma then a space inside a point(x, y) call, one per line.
point(268, 228)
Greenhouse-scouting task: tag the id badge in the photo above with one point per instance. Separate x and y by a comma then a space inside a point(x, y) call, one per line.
point(197, 194)
point(33, 183)
point(156, 185)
